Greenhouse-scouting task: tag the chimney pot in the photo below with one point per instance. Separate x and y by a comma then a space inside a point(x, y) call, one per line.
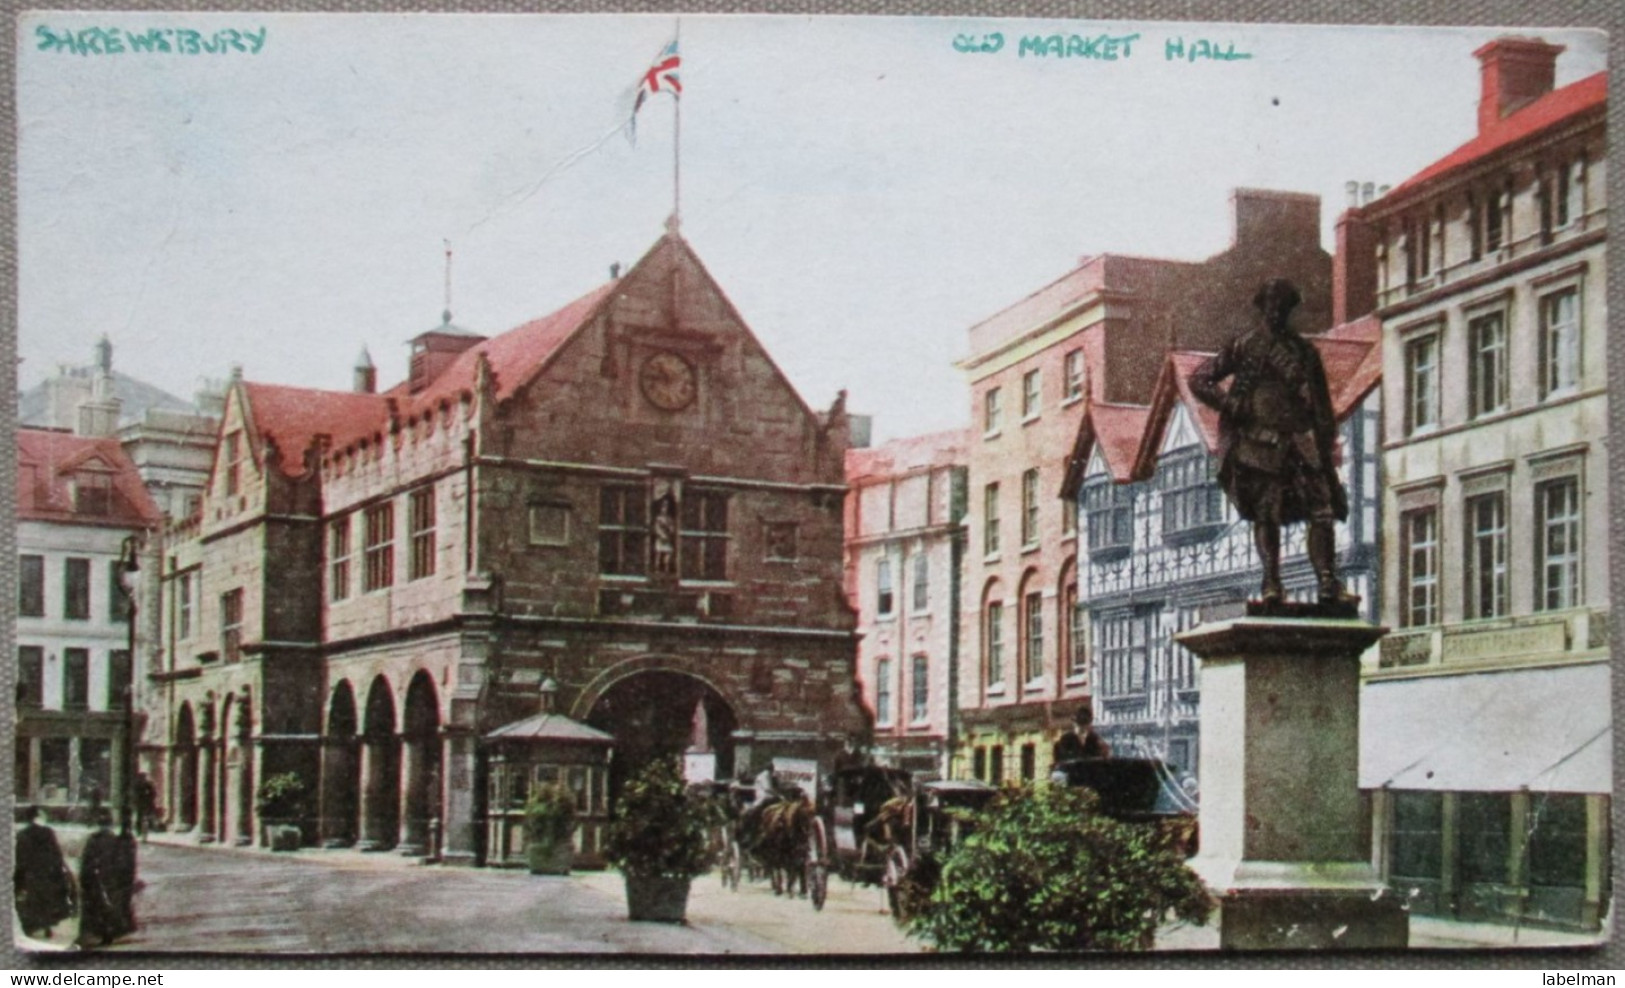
point(1352, 190)
point(1513, 72)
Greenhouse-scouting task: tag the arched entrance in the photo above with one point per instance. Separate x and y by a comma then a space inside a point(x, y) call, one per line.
point(380, 771)
point(341, 770)
point(183, 771)
point(229, 766)
point(420, 764)
point(656, 714)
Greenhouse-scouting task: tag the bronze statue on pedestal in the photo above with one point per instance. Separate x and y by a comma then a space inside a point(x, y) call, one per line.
point(1277, 440)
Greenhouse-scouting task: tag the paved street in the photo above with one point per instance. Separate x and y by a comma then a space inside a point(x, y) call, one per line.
point(240, 901)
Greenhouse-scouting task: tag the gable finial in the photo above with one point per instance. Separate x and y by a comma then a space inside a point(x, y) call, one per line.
point(445, 314)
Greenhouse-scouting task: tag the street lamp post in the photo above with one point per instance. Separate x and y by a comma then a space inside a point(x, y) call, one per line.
point(129, 575)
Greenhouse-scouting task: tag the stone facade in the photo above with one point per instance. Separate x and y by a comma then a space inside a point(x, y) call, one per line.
point(1487, 271)
point(624, 506)
point(905, 549)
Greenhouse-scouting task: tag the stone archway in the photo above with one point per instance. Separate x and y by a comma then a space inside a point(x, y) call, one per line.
point(380, 771)
point(183, 772)
point(341, 770)
point(420, 764)
point(652, 714)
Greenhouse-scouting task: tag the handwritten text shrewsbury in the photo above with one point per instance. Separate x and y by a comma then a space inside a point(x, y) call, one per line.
point(157, 40)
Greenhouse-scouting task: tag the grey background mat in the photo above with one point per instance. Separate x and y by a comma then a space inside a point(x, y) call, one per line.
point(1521, 14)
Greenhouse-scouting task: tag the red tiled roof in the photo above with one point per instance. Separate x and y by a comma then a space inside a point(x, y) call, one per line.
point(1352, 355)
point(1116, 431)
point(516, 356)
point(947, 448)
point(294, 417)
point(1552, 108)
point(46, 464)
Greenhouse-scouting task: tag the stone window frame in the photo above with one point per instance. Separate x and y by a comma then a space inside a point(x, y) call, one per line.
point(184, 606)
point(31, 676)
point(231, 454)
point(990, 520)
point(231, 625)
point(623, 533)
point(1564, 465)
point(1427, 333)
point(1477, 315)
point(1029, 508)
point(992, 412)
point(1075, 375)
point(884, 716)
point(340, 552)
point(76, 591)
point(1032, 395)
point(1478, 485)
point(1569, 281)
point(420, 530)
point(993, 645)
point(920, 583)
point(378, 547)
point(1032, 632)
point(76, 679)
point(30, 585)
point(704, 536)
point(1192, 503)
point(919, 688)
point(1416, 502)
point(537, 534)
point(885, 588)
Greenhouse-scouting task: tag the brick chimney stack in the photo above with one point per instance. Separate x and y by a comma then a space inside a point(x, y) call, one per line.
point(1514, 73)
point(1354, 269)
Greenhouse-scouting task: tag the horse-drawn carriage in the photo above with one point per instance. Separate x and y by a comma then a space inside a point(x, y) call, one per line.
point(1136, 790)
point(891, 831)
point(775, 829)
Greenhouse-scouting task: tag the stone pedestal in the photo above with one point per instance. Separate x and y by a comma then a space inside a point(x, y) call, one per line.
point(1283, 835)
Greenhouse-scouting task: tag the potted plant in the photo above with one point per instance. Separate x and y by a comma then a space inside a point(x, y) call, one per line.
point(281, 803)
point(550, 819)
point(658, 841)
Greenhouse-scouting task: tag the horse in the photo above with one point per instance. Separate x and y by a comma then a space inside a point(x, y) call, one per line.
point(776, 834)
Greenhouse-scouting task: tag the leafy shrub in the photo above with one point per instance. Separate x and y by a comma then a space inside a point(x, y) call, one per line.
point(1043, 869)
point(660, 829)
point(550, 813)
point(281, 796)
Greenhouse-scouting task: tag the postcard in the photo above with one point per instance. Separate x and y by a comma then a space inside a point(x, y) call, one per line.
point(768, 485)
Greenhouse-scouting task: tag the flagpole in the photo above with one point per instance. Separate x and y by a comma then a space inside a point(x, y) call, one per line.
point(677, 142)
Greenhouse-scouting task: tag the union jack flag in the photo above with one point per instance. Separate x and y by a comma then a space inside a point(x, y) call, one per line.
point(662, 76)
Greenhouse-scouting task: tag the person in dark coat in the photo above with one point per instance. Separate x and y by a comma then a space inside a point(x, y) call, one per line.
point(1081, 741)
point(40, 880)
point(1277, 438)
point(107, 884)
point(146, 805)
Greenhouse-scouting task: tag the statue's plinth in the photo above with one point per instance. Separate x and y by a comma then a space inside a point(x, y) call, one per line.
point(1282, 843)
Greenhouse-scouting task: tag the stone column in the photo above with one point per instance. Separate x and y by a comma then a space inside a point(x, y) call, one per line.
point(460, 761)
point(414, 786)
point(1281, 816)
point(245, 793)
point(206, 795)
point(372, 759)
point(339, 791)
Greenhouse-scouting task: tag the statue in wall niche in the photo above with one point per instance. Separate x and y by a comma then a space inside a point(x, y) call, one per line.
point(664, 514)
point(1277, 440)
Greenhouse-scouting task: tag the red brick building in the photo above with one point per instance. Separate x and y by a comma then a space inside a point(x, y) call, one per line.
point(1095, 337)
point(623, 510)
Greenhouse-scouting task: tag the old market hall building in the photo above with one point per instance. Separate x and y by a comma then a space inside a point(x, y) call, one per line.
point(621, 514)
point(1485, 723)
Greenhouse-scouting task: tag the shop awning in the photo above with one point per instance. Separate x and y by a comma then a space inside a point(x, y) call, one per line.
point(1546, 730)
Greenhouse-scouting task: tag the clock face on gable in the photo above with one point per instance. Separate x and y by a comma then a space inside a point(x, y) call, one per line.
point(668, 381)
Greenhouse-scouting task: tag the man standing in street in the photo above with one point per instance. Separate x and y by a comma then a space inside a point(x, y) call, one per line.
point(40, 880)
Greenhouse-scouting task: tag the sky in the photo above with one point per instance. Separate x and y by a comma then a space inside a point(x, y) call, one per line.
point(863, 189)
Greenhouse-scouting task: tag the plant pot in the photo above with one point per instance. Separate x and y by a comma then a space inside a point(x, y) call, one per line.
point(655, 899)
point(552, 857)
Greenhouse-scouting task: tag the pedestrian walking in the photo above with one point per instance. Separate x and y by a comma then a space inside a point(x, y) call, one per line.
point(41, 882)
point(146, 805)
point(107, 884)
